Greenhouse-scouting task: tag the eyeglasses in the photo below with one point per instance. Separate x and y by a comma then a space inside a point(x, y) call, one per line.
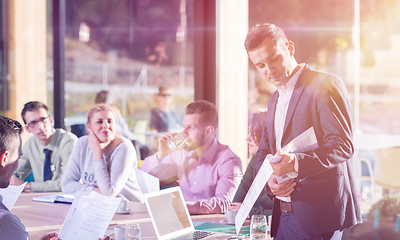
point(165, 95)
point(33, 124)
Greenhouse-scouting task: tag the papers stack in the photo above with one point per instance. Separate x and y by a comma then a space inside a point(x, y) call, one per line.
point(89, 217)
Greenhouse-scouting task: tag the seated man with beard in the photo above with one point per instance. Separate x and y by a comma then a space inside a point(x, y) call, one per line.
point(208, 172)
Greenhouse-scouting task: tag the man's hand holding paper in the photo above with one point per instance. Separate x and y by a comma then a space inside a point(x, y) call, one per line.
point(284, 160)
point(281, 189)
point(286, 165)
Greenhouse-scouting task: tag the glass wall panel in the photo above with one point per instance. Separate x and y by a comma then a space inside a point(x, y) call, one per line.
point(322, 32)
point(129, 48)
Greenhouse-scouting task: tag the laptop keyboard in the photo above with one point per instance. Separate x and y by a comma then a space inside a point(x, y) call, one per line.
point(194, 235)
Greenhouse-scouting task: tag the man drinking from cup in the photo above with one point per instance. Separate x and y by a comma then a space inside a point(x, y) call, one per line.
point(208, 172)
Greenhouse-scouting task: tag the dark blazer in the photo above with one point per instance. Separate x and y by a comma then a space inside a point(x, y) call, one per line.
point(325, 198)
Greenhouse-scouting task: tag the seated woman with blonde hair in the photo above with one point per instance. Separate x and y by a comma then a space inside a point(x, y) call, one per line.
point(102, 161)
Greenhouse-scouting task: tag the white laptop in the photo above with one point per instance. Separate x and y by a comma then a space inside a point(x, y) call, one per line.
point(170, 216)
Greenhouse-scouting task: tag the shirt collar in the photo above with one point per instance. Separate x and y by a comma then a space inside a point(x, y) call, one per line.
point(209, 154)
point(53, 141)
point(293, 80)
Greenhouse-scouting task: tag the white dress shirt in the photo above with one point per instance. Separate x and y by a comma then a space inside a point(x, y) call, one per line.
point(280, 117)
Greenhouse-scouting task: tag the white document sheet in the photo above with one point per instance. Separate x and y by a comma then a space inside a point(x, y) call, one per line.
point(11, 194)
point(255, 189)
point(89, 217)
point(147, 182)
point(307, 141)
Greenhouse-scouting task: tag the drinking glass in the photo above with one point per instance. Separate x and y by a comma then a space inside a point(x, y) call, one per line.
point(258, 227)
point(133, 232)
point(269, 225)
point(178, 141)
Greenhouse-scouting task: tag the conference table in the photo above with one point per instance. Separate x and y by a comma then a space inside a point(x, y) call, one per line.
point(373, 142)
point(40, 218)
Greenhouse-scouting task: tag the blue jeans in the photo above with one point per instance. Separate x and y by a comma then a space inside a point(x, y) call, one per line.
point(289, 229)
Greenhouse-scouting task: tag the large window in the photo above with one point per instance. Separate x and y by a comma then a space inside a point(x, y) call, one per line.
point(323, 35)
point(128, 47)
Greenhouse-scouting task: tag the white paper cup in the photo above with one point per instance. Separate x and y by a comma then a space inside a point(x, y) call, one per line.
point(122, 206)
point(230, 215)
point(119, 232)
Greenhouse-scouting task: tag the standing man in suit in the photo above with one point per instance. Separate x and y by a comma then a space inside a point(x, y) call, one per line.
point(320, 199)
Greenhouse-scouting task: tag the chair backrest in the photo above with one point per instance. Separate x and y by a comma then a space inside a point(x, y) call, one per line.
point(141, 126)
point(79, 130)
point(76, 124)
point(387, 167)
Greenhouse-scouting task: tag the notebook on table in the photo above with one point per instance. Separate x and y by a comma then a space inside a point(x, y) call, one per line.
point(55, 198)
point(171, 218)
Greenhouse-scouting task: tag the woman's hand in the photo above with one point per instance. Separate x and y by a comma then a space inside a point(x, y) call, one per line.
point(96, 189)
point(94, 145)
point(50, 236)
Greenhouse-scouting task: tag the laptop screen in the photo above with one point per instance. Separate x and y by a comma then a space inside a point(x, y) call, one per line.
point(168, 211)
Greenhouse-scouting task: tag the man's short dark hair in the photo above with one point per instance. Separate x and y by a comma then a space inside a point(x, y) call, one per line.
point(33, 106)
point(207, 111)
point(262, 31)
point(9, 131)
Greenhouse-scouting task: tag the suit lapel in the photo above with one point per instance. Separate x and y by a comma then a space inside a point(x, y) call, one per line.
point(271, 122)
point(294, 100)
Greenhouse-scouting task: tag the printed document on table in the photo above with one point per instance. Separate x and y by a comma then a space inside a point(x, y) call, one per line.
point(11, 194)
point(307, 141)
point(89, 217)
